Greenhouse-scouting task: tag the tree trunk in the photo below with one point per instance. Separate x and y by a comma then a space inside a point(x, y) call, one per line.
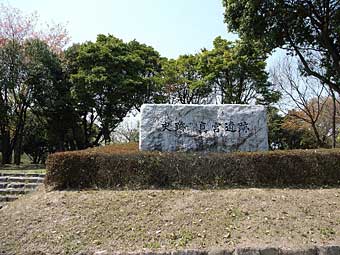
point(35, 159)
point(317, 136)
point(17, 150)
point(333, 120)
point(6, 148)
point(19, 137)
point(61, 144)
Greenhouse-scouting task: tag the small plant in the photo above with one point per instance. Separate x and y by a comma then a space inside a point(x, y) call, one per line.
point(181, 239)
point(152, 245)
point(327, 232)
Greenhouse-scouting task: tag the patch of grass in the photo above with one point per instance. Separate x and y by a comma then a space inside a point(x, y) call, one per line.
point(152, 245)
point(30, 171)
point(27, 167)
point(327, 231)
point(184, 238)
point(67, 222)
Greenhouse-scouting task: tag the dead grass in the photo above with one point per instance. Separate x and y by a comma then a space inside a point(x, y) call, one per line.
point(116, 148)
point(67, 222)
point(22, 167)
point(29, 171)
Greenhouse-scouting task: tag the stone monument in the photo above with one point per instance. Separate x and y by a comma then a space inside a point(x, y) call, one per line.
point(206, 128)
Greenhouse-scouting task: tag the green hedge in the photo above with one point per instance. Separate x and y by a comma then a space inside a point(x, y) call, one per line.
point(105, 169)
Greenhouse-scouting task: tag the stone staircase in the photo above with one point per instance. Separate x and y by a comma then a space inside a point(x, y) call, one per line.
point(13, 185)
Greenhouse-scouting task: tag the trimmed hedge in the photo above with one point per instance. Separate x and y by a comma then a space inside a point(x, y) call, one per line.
point(119, 167)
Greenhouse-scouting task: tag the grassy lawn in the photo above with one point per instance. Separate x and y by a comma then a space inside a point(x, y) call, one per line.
point(66, 222)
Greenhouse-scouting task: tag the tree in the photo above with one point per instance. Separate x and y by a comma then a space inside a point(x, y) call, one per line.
point(35, 140)
point(304, 98)
point(149, 71)
point(19, 27)
point(284, 133)
point(308, 28)
point(275, 130)
point(27, 72)
point(183, 80)
point(126, 132)
point(110, 78)
point(52, 102)
point(236, 73)
point(329, 120)
point(12, 104)
point(19, 48)
point(298, 134)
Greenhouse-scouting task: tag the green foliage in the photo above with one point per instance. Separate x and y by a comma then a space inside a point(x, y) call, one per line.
point(309, 29)
point(232, 73)
point(110, 78)
point(237, 72)
point(119, 167)
point(35, 140)
point(282, 135)
point(28, 70)
point(183, 80)
point(52, 103)
point(298, 139)
point(77, 98)
point(275, 130)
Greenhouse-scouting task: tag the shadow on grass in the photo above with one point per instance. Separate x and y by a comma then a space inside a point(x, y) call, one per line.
point(199, 187)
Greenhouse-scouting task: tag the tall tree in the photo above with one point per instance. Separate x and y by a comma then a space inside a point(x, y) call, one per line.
point(25, 78)
point(51, 96)
point(110, 78)
point(183, 81)
point(18, 26)
point(148, 71)
point(19, 48)
point(236, 72)
point(304, 98)
point(308, 28)
point(275, 130)
point(35, 140)
point(14, 97)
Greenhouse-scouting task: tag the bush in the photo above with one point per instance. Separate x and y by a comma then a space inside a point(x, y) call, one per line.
point(122, 166)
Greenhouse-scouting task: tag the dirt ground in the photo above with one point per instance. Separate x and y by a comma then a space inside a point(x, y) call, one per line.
point(67, 222)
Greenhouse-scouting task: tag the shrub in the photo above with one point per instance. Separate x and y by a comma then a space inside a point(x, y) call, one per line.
point(124, 166)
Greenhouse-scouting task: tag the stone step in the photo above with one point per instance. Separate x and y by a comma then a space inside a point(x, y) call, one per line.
point(7, 198)
point(3, 185)
point(21, 185)
point(21, 179)
point(14, 191)
point(22, 174)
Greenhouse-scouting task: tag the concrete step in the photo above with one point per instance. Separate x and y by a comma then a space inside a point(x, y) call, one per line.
point(3, 185)
point(21, 179)
point(22, 174)
point(7, 198)
point(13, 191)
point(22, 185)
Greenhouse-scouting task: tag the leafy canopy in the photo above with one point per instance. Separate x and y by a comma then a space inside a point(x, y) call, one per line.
point(308, 28)
point(183, 80)
point(110, 77)
point(236, 70)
